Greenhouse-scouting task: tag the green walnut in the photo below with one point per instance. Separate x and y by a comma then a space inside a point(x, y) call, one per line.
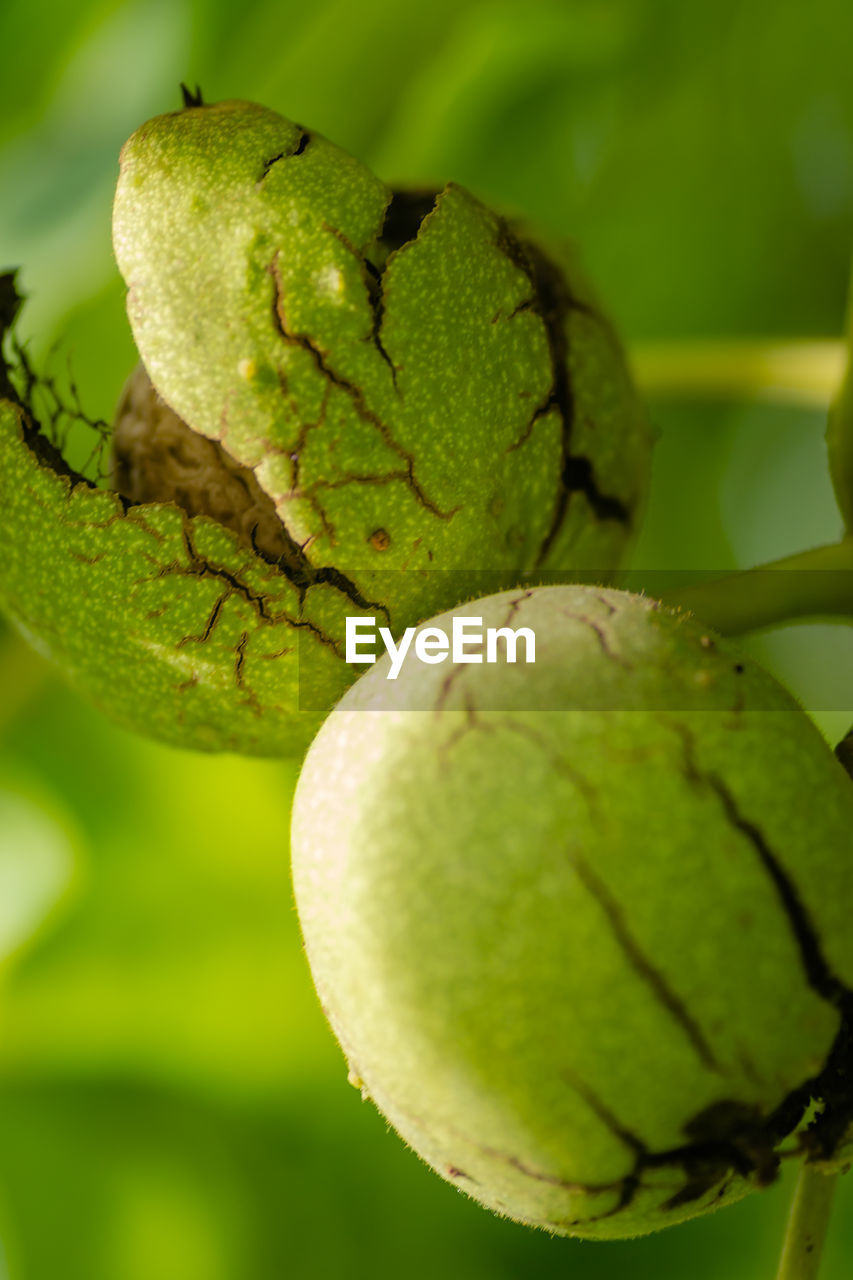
point(582, 926)
point(351, 399)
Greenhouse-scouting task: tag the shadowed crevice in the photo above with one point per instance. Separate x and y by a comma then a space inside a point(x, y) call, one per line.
point(578, 478)
point(373, 280)
point(301, 143)
point(355, 394)
point(553, 302)
point(405, 215)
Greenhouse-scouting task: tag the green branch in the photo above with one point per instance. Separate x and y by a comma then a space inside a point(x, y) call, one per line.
point(839, 430)
point(807, 1225)
point(805, 373)
point(812, 584)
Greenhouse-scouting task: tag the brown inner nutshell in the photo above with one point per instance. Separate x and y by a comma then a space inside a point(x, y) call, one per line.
point(158, 458)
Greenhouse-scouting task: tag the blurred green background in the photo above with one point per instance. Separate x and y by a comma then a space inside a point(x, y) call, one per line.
point(172, 1104)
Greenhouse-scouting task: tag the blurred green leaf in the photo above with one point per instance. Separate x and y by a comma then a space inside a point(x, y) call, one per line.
point(171, 1101)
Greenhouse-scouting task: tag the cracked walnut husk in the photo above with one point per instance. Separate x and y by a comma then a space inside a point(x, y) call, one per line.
point(578, 935)
point(351, 399)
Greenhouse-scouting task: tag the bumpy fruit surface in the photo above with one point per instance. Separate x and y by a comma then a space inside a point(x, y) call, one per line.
point(582, 928)
point(351, 400)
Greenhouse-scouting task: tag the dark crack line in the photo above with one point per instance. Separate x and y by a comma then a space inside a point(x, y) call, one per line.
point(553, 1180)
point(279, 653)
point(268, 164)
point(527, 304)
point(336, 579)
point(743, 1147)
point(47, 453)
point(405, 215)
point(514, 606)
point(305, 430)
point(818, 972)
point(319, 510)
point(833, 1084)
point(578, 478)
point(84, 559)
point(459, 670)
point(364, 412)
point(302, 143)
point(608, 604)
point(201, 567)
point(305, 625)
point(728, 1138)
point(300, 574)
point(703, 1164)
point(455, 673)
point(603, 639)
point(641, 964)
point(294, 563)
point(240, 658)
point(471, 722)
point(553, 304)
point(538, 414)
point(310, 495)
point(212, 620)
point(560, 764)
point(376, 298)
point(373, 281)
point(844, 753)
point(515, 1162)
point(606, 1116)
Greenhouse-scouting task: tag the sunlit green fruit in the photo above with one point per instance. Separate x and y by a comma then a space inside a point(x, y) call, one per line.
point(582, 927)
point(381, 360)
point(419, 402)
point(426, 402)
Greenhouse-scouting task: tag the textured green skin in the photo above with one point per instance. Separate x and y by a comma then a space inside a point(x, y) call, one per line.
point(248, 296)
point(166, 622)
point(472, 874)
point(227, 270)
point(249, 302)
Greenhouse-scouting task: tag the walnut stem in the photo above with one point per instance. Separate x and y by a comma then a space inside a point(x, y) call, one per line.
point(810, 1209)
point(805, 373)
point(811, 584)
